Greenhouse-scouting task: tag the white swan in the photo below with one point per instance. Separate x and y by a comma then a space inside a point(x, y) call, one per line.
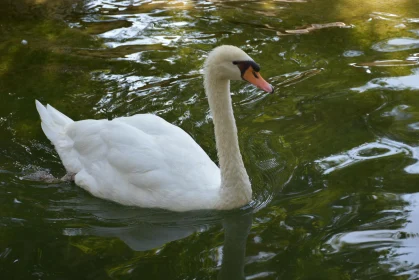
point(145, 161)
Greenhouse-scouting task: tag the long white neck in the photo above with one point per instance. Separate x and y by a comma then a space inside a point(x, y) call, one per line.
point(235, 184)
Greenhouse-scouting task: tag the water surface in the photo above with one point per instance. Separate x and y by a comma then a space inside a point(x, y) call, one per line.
point(333, 155)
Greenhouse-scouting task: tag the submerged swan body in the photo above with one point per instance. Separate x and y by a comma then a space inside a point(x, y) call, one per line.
point(145, 161)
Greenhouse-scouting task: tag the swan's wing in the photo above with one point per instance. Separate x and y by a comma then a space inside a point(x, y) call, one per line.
point(176, 148)
point(141, 160)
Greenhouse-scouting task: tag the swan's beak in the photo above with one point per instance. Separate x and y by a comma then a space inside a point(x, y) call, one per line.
point(256, 79)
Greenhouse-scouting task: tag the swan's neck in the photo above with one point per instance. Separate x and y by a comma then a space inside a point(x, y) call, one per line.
point(235, 185)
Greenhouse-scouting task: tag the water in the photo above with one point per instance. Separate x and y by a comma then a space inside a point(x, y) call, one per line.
point(332, 155)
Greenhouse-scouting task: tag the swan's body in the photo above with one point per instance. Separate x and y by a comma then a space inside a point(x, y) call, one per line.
point(145, 161)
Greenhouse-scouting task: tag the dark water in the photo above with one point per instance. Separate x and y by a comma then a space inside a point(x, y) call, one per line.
point(332, 155)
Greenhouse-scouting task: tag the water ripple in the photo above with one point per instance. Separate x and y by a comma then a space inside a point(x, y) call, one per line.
point(399, 247)
point(392, 83)
point(381, 148)
point(396, 44)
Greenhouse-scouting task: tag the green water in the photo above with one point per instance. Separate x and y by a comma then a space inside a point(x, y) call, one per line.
point(332, 155)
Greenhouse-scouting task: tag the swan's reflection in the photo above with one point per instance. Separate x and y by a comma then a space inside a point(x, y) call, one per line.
point(236, 230)
point(142, 229)
point(147, 229)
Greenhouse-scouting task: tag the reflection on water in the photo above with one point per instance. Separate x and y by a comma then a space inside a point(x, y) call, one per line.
point(313, 27)
point(236, 229)
point(400, 247)
point(381, 148)
point(388, 63)
point(399, 44)
point(393, 83)
point(333, 154)
point(150, 229)
point(296, 77)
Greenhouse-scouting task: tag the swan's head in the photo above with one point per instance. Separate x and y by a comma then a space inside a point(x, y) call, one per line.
point(229, 62)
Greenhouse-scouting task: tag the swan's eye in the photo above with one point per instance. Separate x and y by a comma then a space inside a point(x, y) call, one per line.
point(245, 64)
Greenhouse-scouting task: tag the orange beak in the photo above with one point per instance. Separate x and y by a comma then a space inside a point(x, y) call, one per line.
point(256, 79)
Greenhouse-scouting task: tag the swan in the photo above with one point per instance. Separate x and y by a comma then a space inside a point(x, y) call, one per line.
point(144, 161)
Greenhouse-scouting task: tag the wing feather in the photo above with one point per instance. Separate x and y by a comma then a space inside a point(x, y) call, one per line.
point(139, 160)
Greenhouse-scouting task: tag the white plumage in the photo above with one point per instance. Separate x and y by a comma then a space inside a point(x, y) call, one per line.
point(145, 161)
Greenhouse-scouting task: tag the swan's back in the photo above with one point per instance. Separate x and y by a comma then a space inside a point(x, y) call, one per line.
point(140, 160)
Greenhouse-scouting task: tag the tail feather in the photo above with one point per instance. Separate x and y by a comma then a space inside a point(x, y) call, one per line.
point(58, 117)
point(53, 121)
